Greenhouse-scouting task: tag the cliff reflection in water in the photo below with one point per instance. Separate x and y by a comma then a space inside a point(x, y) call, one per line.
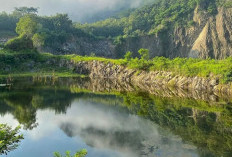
point(200, 119)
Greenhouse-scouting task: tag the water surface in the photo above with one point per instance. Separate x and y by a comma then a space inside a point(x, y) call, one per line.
point(71, 114)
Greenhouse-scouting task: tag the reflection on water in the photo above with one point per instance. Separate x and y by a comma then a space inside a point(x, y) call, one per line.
point(70, 114)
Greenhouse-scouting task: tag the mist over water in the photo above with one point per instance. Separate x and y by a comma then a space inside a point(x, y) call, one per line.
point(78, 10)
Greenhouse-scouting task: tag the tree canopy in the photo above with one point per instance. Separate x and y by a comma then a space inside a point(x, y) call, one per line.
point(27, 25)
point(22, 11)
point(153, 19)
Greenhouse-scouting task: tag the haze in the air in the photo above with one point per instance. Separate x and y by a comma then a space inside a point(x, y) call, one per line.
point(78, 10)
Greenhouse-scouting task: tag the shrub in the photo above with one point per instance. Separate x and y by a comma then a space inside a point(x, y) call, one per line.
point(19, 43)
point(144, 53)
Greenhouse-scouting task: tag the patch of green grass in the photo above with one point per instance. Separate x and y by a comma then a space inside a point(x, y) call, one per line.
point(76, 58)
point(189, 67)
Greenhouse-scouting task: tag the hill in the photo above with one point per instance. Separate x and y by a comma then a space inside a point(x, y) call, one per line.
point(172, 28)
point(169, 28)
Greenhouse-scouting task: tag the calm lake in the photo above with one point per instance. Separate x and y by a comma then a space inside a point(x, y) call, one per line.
point(110, 121)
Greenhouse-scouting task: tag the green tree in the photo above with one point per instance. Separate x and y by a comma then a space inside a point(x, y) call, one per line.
point(7, 24)
point(38, 40)
point(9, 138)
point(144, 53)
point(27, 25)
point(22, 11)
point(61, 22)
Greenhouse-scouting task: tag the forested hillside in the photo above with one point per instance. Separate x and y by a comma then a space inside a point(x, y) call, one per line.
point(50, 31)
point(170, 28)
point(155, 18)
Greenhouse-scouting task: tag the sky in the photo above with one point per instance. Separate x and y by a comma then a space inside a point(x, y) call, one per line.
point(77, 9)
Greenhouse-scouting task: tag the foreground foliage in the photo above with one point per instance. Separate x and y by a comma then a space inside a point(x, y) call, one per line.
point(9, 138)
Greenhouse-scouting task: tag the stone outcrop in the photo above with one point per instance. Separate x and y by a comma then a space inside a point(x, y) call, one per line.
point(215, 39)
point(147, 80)
point(84, 46)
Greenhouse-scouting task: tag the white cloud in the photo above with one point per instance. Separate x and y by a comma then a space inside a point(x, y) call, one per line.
point(104, 128)
point(9, 120)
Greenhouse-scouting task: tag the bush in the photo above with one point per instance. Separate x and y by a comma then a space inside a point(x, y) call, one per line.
point(128, 56)
point(19, 43)
point(144, 53)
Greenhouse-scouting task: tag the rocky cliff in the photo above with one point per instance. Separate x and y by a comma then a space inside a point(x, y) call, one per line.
point(83, 46)
point(215, 38)
point(209, 37)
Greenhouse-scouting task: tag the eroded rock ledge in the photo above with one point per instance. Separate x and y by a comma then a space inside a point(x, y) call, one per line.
point(147, 79)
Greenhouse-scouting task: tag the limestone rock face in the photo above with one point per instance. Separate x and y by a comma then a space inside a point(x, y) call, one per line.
point(215, 39)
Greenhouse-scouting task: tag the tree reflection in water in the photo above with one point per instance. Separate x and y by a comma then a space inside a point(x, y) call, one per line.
point(206, 123)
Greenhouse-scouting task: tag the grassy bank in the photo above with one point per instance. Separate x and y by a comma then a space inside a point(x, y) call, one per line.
point(189, 67)
point(32, 63)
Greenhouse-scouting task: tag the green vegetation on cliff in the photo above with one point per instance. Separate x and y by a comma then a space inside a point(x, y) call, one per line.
point(161, 16)
point(42, 31)
point(189, 67)
point(152, 19)
point(20, 54)
point(12, 62)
